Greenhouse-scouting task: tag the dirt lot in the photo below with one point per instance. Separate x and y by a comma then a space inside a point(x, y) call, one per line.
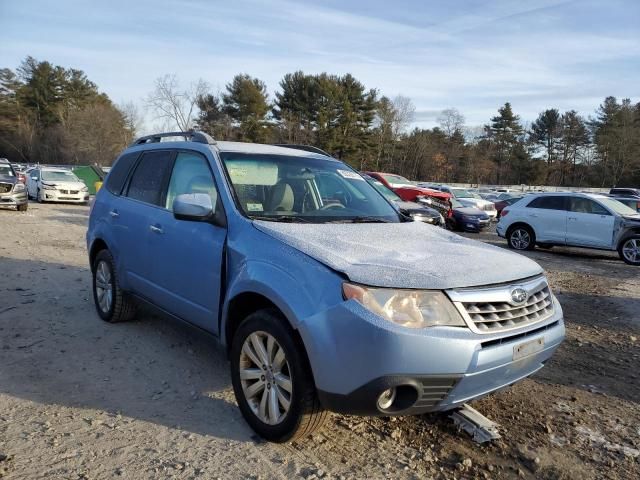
point(80, 398)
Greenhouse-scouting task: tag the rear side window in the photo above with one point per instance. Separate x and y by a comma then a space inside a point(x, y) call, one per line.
point(586, 205)
point(119, 172)
point(548, 203)
point(149, 180)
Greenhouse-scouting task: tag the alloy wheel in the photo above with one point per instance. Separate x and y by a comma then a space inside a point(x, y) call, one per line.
point(520, 239)
point(265, 377)
point(104, 288)
point(631, 250)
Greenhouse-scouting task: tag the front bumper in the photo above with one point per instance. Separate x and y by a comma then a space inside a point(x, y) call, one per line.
point(13, 199)
point(474, 226)
point(355, 356)
point(64, 196)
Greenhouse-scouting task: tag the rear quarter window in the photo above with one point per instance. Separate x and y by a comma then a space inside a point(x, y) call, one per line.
point(548, 203)
point(119, 172)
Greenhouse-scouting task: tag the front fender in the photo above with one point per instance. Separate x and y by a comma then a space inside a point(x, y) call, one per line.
point(297, 292)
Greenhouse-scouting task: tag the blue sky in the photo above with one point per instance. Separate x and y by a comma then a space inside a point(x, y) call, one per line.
point(471, 55)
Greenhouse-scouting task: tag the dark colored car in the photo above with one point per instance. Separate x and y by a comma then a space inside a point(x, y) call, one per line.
point(500, 204)
point(468, 219)
point(417, 211)
point(625, 192)
point(12, 191)
point(630, 202)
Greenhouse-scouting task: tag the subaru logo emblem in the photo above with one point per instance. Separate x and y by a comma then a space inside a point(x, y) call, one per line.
point(519, 295)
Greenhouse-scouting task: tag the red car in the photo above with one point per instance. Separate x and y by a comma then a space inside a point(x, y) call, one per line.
point(412, 193)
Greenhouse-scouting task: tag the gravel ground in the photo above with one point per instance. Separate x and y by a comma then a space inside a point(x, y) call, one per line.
point(82, 399)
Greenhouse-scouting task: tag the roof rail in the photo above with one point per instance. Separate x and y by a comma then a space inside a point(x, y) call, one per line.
point(306, 148)
point(192, 136)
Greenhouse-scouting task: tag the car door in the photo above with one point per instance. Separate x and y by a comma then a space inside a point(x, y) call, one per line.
point(548, 216)
point(589, 224)
point(187, 255)
point(134, 212)
point(32, 182)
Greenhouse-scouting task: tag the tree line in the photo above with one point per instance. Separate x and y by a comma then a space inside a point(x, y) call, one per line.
point(51, 114)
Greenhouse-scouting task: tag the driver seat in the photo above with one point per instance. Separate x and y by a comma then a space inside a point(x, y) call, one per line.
point(281, 198)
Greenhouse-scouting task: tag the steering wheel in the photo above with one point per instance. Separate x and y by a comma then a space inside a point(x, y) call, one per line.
point(332, 205)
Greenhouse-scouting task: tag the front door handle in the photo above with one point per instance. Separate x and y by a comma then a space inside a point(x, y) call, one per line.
point(534, 215)
point(572, 218)
point(155, 229)
point(114, 214)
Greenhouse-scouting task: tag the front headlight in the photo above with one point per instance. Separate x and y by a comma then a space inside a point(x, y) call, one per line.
point(18, 187)
point(84, 189)
point(408, 308)
point(46, 186)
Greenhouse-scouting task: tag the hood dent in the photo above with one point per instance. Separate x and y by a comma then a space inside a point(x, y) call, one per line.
point(403, 255)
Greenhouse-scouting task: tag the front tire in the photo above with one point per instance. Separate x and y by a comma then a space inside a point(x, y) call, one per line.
point(23, 207)
point(39, 197)
point(521, 237)
point(629, 250)
point(112, 303)
point(272, 380)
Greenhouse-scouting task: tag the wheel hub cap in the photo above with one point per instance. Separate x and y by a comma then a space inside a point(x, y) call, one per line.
point(265, 377)
point(104, 289)
point(631, 250)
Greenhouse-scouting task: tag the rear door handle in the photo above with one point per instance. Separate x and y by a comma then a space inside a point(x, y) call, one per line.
point(572, 218)
point(534, 215)
point(114, 214)
point(155, 229)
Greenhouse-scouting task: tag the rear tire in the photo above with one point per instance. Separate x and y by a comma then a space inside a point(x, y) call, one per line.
point(629, 250)
point(521, 237)
point(273, 384)
point(112, 303)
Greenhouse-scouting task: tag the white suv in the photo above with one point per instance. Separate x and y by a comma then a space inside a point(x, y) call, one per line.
point(572, 219)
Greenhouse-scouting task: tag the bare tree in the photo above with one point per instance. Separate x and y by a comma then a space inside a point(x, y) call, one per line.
point(404, 111)
point(133, 118)
point(169, 102)
point(450, 121)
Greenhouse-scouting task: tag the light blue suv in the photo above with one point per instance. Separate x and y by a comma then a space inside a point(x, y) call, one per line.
point(326, 298)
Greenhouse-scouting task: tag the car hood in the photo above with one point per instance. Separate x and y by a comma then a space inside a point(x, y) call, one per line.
point(8, 179)
point(403, 255)
point(413, 207)
point(471, 211)
point(67, 185)
point(479, 202)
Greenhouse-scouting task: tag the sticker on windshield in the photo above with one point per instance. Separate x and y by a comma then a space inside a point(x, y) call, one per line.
point(350, 175)
point(254, 207)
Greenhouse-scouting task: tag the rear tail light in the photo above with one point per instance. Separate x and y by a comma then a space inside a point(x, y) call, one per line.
point(504, 212)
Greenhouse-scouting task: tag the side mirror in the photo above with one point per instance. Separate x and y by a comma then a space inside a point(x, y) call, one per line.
point(196, 207)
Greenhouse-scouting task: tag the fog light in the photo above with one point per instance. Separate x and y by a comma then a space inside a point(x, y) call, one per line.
point(386, 398)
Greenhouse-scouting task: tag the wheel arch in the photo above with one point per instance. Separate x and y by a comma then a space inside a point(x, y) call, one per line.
point(517, 224)
point(97, 245)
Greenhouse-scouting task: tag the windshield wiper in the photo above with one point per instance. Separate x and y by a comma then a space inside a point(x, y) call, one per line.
point(361, 219)
point(281, 218)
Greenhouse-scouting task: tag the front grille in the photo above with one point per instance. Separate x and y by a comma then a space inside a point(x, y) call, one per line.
point(434, 390)
point(64, 191)
point(5, 187)
point(73, 192)
point(492, 309)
